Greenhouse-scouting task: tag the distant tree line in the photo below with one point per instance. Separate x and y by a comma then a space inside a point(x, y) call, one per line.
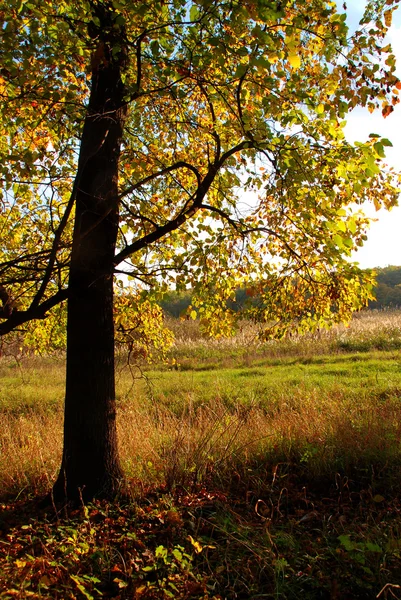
point(387, 292)
point(388, 288)
point(175, 304)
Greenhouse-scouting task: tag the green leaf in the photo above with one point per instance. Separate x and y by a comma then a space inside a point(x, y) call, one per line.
point(373, 547)
point(194, 13)
point(120, 20)
point(351, 224)
point(240, 70)
point(161, 552)
point(177, 554)
point(338, 240)
point(346, 542)
point(378, 146)
point(155, 48)
point(79, 583)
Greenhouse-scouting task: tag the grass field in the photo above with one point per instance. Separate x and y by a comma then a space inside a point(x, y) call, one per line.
point(257, 470)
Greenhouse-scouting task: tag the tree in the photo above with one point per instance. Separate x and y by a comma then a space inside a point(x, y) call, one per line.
point(188, 143)
point(387, 291)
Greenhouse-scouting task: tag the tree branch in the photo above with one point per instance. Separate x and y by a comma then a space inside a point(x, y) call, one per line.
point(19, 317)
point(183, 215)
point(55, 247)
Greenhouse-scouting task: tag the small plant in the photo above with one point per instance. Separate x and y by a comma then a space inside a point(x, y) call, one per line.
point(169, 568)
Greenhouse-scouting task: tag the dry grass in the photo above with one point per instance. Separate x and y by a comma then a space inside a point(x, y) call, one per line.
point(369, 330)
point(318, 431)
point(315, 436)
point(30, 451)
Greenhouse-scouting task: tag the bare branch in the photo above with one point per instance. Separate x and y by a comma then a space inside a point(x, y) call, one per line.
point(55, 247)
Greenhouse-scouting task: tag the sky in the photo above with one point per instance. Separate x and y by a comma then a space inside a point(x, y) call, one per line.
point(383, 246)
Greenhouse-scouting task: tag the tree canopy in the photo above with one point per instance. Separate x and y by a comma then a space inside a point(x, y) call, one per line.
point(234, 166)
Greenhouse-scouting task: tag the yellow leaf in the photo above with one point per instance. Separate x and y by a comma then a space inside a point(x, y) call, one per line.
point(388, 17)
point(197, 547)
point(140, 590)
point(294, 60)
point(20, 563)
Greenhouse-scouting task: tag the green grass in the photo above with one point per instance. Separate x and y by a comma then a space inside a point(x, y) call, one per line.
point(257, 470)
point(272, 380)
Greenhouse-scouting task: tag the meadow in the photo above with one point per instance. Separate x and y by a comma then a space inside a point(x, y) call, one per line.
point(255, 470)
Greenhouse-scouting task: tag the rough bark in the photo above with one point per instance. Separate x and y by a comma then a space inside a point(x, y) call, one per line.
point(90, 464)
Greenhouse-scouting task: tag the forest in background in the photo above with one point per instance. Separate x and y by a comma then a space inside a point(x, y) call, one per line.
point(387, 293)
point(388, 288)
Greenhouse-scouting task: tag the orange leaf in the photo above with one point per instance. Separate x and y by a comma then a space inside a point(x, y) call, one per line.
point(387, 110)
point(388, 17)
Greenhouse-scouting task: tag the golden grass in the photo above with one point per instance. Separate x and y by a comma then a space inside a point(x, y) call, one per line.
point(370, 322)
point(30, 451)
point(318, 432)
point(319, 435)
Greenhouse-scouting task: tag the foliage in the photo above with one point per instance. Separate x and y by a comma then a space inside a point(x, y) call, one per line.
point(44, 336)
point(140, 327)
point(103, 551)
point(296, 544)
point(175, 303)
point(234, 166)
point(139, 330)
point(387, 290)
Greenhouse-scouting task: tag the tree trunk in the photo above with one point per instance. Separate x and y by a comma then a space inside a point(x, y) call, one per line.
point(90, 464)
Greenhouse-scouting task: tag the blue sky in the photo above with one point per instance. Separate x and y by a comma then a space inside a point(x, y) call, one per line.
point(383, 246)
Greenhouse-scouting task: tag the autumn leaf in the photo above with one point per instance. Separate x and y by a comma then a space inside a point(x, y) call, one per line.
point(388, 17)
point(294, 60)
point(387, 110)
